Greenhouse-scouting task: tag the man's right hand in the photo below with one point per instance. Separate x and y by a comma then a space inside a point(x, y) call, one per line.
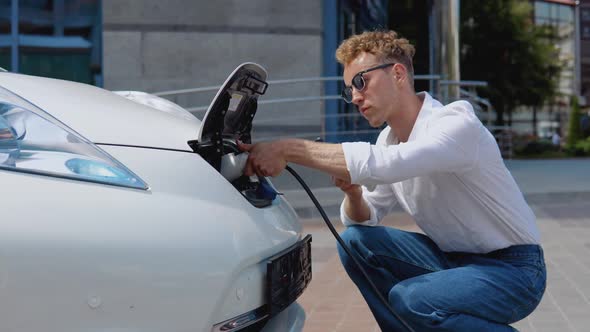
point(351, 190)
point(355, 206)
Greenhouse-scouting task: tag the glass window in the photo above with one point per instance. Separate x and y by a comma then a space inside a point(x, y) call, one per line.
point(35, 17)
point(5, 58)
point(57, 38)
point(541, 9)
point(542, 21)
point(566, 13)
point(553, 8)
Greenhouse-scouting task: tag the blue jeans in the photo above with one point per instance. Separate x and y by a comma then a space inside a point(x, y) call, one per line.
point(437, 291)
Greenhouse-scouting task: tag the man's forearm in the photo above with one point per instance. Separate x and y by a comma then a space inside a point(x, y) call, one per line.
point(325, 157)
point(356, 208)
point(328, 158)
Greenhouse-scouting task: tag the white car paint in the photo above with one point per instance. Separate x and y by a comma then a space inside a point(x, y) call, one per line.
point(185, 254)
point(102, 116)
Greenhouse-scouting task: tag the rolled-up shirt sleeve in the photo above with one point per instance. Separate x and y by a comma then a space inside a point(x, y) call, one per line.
point(450, 144)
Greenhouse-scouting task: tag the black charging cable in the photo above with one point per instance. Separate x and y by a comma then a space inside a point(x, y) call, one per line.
point(345, 247)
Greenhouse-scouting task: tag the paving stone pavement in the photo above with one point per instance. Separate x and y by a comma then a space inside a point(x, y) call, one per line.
point(332, 302)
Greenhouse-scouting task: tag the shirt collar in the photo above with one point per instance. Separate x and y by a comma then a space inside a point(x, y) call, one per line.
point(423, 115)
point(419, 125)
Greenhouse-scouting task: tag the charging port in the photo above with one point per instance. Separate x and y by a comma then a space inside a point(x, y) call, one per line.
point(228, 119)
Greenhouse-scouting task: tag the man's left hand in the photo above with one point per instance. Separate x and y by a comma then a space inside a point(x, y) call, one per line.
point(265, 159)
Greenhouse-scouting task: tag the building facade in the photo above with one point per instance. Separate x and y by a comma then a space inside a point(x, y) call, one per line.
point(54, 38)
point(155, 46)
point(561, 16)
point(584, 55)
point(152, 45)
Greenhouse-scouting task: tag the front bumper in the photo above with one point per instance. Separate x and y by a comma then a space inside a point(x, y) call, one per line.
point(291, 319)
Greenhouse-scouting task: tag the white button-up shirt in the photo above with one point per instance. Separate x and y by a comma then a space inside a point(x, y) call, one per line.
point(449, 176)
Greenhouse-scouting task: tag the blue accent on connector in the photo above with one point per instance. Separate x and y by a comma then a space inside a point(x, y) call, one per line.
point(266, 190)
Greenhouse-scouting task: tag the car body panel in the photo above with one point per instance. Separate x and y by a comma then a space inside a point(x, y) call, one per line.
point(291, 319)
point(184, 255)
point(167, 244)
point(102, 116)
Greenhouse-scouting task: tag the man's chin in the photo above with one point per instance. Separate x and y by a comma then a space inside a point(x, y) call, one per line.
point(375, 124)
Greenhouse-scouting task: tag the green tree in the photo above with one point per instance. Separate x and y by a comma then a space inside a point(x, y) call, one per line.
point(502, 45)
point(574, 131)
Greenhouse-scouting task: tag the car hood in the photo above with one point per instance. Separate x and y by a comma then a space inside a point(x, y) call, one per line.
point(104, 117)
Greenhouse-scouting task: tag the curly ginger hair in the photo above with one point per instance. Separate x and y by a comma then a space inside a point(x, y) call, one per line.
point(386, 45)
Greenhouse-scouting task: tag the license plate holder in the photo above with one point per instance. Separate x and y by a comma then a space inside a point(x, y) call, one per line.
point(288, 273)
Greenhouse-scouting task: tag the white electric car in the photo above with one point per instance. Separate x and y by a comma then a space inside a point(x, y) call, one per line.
point(116, 217)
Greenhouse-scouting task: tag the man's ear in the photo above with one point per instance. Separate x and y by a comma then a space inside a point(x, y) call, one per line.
point(399, 72)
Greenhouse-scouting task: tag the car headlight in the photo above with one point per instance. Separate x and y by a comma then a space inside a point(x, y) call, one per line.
point(33, 141)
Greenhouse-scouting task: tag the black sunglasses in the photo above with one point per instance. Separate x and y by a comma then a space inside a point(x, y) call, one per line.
point(358, 82)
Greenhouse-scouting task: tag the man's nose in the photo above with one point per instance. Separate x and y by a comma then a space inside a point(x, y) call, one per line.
point(357, 96)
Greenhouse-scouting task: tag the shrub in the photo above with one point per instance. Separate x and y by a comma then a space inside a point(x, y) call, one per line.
point(535, 148)
point(581, 148)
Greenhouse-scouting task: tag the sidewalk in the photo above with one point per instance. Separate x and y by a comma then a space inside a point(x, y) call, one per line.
point(558, 191)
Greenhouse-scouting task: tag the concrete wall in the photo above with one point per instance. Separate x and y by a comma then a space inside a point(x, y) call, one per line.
point(154, 45)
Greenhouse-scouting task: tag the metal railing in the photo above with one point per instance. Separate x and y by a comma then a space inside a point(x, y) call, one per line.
point(203, 108)
point(275, 82)
point(438, 87)
point(441, 87)
point(280, 82)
